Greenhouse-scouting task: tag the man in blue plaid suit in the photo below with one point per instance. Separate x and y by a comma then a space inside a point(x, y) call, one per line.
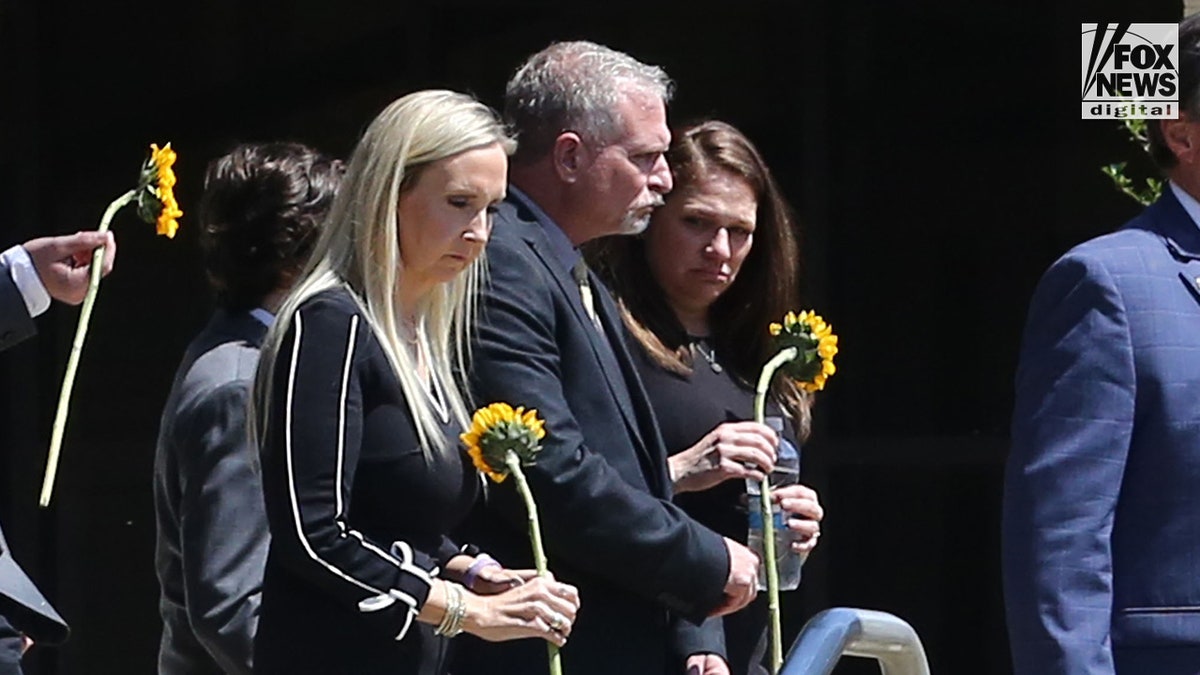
point(1102, 494)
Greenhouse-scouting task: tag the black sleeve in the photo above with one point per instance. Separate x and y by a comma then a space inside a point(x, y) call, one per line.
point(707, 637)
point(447, 550)
point(317, 417)
point(15, 323)
point(590, 515)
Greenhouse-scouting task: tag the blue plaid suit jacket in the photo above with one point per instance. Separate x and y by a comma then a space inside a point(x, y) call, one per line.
point(1101, 534)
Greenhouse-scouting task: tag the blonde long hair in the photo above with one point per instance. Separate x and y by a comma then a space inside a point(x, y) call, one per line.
point(359, 249)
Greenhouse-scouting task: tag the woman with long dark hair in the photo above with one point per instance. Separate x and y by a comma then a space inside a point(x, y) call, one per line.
point(718, 263)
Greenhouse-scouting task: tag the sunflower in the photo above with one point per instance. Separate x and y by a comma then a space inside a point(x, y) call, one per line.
point(156, 191)
point(498, 429)
point(155, 199)
point(816, 343)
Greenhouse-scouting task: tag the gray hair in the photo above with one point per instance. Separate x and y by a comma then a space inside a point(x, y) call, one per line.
point(575, 86)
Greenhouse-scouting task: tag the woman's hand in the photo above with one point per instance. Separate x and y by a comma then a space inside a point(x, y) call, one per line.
point(706, 664)
point(540, 607)
point(804, 515)
point(483, 575)
point(731, 450)
point(492, 580)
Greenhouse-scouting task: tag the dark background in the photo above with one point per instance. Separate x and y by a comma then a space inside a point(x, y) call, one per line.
point(933, 149)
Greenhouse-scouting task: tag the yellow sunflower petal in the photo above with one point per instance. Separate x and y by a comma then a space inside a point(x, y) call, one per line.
point(503, 411)
point(166, 227)
point(490, 418)
point(477, 458)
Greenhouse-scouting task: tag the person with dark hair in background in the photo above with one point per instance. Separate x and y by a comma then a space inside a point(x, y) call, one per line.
point(262, 207)
point(593, 133)
point(31, 275)
point(1101, 528)
point(718, 263)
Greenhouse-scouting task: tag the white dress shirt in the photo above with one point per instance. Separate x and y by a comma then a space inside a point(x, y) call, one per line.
point(33, 291)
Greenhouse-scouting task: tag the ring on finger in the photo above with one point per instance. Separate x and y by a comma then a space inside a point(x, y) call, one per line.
point(556, 622)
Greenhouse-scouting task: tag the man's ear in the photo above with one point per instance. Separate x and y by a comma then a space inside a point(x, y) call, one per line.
point(570, 156)
point(1182, 137)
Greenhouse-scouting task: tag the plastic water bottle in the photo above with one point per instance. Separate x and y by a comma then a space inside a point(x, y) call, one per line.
point(787, 472)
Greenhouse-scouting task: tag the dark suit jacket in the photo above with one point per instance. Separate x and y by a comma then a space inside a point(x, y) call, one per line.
point(212, 526)
point(20, 601)
point(601, 480)
point(1102, 496)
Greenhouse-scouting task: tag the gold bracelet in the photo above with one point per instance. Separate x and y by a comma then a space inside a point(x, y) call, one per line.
point(460, 613)
point(456, 609)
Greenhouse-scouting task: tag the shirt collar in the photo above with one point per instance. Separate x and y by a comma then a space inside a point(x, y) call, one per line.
point(1188, 203)
point(564, 251)
point(263, 316)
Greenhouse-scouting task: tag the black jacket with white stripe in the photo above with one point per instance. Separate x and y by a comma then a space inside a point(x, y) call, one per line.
point(358, 513)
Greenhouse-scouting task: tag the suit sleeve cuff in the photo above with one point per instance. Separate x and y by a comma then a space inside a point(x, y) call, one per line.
point(410, 590)
point(703, 589)
point(707, 637)
point(25, 276)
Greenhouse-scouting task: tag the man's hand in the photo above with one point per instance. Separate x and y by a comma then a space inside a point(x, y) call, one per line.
point(62, 262)
point(742, 585)
point(731, 450)
point(706, 664)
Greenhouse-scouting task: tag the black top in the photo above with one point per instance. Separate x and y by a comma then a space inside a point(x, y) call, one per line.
point(687, 408)
point(358, 512)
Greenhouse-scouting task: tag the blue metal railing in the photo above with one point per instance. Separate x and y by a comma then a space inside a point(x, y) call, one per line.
point(856, 632)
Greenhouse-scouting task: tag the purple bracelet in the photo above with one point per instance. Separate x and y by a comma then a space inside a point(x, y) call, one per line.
point(481, 561)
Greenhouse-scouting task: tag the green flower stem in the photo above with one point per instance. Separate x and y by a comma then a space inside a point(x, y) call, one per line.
point(768, 518)
point(85, 315)
point(535, 537)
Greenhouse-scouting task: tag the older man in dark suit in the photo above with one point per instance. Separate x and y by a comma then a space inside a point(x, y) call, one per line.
point(30, 276)
point(591, 123)
point(1102, 496)
point(260, 215)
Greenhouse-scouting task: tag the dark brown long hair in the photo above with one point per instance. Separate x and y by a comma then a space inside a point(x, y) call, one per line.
point(766, 287)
